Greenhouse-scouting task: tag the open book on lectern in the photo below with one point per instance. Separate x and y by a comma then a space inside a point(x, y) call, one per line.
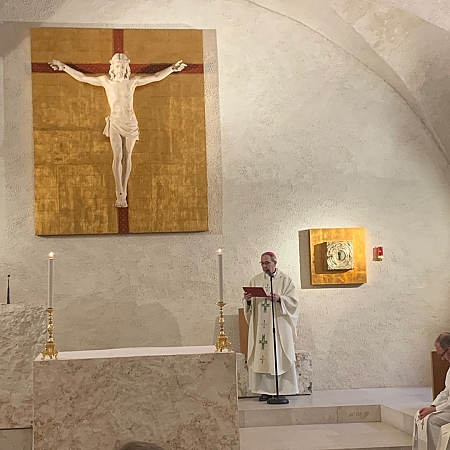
point(255, 291)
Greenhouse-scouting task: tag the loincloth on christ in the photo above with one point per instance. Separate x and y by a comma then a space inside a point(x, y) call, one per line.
point(126, 128)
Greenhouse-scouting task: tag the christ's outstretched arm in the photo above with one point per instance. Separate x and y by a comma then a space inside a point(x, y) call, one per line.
point(95, 81)
point(142, 80)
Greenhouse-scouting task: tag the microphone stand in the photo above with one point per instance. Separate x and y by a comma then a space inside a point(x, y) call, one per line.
point(277, 400)
point(8, 298)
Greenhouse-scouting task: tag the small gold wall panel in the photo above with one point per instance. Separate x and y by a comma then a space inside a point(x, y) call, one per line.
point(317, 242)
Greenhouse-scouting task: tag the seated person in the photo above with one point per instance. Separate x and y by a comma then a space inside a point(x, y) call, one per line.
point(440, 408)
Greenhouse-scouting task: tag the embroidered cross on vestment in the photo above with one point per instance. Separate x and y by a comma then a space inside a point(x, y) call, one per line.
point(263, 341)
point(265, 304)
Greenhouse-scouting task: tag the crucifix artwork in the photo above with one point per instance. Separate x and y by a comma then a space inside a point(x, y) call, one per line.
point(76, 192)
point(121, 125)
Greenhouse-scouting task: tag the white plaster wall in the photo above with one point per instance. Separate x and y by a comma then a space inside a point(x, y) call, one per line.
point(365, 28)
point(415, 49)
point(311, 138)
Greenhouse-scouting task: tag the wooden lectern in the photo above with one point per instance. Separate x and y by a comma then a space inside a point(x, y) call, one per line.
point(243, 333)
point(438, 371)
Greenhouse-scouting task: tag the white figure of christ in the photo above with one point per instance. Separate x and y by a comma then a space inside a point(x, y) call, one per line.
point(121, 125)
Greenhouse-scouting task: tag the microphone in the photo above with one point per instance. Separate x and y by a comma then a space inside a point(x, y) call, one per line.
point(268, 272)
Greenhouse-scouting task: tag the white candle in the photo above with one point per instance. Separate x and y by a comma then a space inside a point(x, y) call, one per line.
point(50, 279)
point(219, 255)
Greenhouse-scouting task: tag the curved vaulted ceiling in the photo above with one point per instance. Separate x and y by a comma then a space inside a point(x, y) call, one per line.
point(406, 46)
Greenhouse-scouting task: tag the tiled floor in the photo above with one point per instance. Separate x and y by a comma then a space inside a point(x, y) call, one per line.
point(267, 427)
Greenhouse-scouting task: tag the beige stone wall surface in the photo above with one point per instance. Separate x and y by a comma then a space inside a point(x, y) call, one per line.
point(22, 338)
point(16, 439)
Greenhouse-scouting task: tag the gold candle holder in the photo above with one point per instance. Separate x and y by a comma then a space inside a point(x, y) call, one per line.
point(50, 349)
point(222, 340)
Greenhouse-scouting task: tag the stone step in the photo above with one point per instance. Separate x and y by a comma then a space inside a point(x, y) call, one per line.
point(259, 414)
point(337, 436)
point(393, 406)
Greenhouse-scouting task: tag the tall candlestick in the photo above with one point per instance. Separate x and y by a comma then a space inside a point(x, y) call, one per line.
point(51, 261)
point(219, 255)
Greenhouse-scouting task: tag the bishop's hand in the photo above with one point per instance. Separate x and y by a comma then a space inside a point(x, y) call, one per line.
point(275, 298)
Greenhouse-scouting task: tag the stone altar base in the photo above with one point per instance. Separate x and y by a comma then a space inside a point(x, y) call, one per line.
point(177, 397)
point(22, 338)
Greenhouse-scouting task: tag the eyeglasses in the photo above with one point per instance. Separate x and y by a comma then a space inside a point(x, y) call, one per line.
point(266, 263)
point(443, 353)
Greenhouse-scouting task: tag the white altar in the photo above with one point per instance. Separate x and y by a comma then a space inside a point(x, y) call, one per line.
point(176, 397)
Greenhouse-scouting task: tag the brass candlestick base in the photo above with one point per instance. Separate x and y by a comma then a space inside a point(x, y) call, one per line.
point(222, 343)
point(50, 349)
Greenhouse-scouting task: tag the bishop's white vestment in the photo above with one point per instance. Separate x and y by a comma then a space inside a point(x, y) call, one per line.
point(260, 356)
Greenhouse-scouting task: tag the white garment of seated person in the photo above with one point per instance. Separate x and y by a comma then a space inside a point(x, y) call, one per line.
point(441, 416)
point(422, 438)
point(444, 438)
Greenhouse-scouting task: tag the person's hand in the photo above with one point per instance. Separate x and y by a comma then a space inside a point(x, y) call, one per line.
point(57, 65)
point(275, 298)
point(425, 411)
point(247, 296)
point(178, 66)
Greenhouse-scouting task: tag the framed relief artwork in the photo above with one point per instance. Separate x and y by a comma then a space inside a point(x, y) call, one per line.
point(337, 256)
